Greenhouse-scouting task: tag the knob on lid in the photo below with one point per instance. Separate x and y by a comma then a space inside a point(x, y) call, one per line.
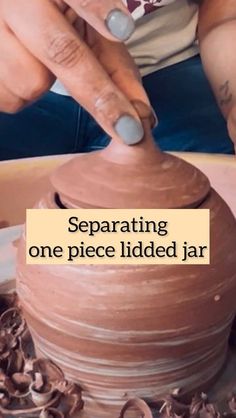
point(139, 176)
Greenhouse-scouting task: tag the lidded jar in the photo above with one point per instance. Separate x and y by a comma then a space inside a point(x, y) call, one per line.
point(127, 331)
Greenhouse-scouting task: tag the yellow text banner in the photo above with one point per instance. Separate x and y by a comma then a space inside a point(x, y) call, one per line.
point(115, 236)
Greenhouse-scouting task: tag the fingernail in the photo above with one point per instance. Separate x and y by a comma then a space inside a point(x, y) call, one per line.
point(120, 24)
point(129, 129)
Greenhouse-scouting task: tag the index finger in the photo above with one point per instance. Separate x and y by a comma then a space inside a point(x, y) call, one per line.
point(118, 63)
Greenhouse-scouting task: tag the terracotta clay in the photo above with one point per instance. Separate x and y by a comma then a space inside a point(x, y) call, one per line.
point(125, 331)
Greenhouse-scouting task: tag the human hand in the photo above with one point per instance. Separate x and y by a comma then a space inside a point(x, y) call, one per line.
point(39, 42)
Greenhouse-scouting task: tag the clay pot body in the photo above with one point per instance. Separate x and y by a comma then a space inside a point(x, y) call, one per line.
point(133, 331)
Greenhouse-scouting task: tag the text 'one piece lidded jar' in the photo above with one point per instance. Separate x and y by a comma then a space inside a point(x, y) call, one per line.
point(127, 331)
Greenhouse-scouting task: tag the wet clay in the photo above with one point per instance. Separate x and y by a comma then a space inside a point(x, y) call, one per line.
point(133, 331)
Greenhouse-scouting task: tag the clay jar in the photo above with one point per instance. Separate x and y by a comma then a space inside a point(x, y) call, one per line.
point(133, 331)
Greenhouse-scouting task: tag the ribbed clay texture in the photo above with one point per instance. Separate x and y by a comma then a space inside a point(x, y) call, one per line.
point(133, 331)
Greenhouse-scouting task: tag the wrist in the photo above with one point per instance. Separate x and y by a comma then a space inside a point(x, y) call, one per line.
point(219, 62)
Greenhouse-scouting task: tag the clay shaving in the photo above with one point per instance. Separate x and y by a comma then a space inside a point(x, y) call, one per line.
point(35, 387)
point(30, 387)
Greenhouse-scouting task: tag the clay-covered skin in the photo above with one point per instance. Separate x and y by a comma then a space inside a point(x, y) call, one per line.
point(134, 331)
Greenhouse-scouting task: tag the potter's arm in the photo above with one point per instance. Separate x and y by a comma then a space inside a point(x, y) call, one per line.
point(217, 37)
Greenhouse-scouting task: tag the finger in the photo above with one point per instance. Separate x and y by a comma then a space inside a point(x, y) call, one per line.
point(20, 72)
point(61, 5)
point(120, 66)
point(9, 103)
point(231, 123)
point(71, 16)
point(69, 13)
point(56, 44)
point(110, 18)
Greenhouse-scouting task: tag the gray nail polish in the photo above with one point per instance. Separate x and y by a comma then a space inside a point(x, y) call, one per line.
point(129, 129)
point(120, 24)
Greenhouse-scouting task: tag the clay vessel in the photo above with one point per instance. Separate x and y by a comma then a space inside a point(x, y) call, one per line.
point(133, 331)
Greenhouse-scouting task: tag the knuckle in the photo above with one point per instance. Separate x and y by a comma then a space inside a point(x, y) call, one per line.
point(85, 4)
point(106, 99)
point(39, 85)
point(65, 50)
point(13, 107)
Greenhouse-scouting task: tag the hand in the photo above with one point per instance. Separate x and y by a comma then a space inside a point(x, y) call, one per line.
point(231, 123)
point(40, 42)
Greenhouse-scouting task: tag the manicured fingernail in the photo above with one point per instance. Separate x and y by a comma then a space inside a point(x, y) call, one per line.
point(129, 129)
point(120, 24)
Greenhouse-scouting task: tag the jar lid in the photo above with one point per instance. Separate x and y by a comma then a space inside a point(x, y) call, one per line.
point(139, 176)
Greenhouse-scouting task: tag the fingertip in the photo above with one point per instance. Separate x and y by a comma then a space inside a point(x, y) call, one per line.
point(145, 111)
point(129, 129)
point(120, 24)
